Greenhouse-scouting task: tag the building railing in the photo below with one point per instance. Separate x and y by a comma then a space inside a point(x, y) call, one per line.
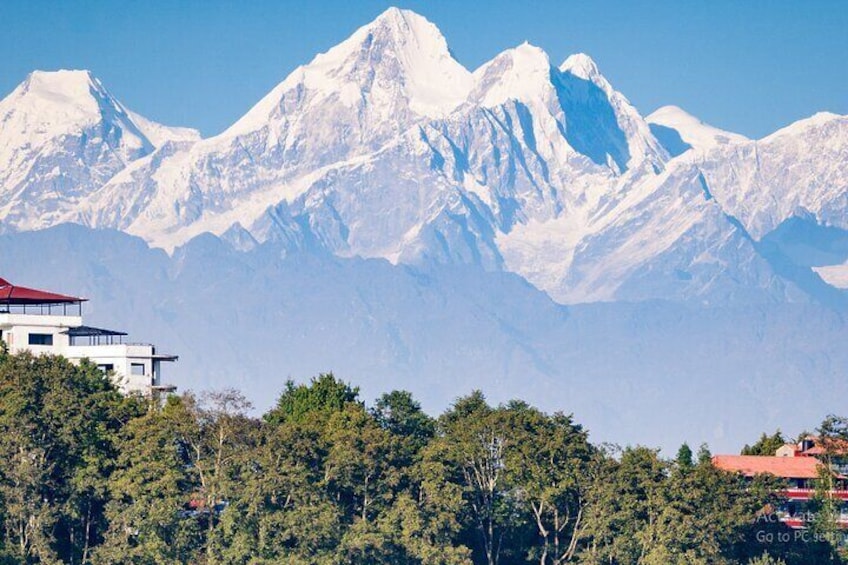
point(60, 309)
point(841, 494)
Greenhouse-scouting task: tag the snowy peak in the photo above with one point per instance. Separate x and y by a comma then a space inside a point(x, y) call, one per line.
point(398, 67)
point(599, 112)
point(582, 66)
point(63, 136)
point(678, 131)
point(66, 89)
point(66, 102)
point(50, 104)
point(817, 120)
point(522, 73)
point(416, 54)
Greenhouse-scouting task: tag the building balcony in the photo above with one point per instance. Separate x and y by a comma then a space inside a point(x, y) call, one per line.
point(808, 493)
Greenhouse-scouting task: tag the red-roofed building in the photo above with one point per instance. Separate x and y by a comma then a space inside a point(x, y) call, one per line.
point(801, 471)
point(46, 322)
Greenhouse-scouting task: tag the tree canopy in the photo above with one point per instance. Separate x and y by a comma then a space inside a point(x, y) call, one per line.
point(90, 476)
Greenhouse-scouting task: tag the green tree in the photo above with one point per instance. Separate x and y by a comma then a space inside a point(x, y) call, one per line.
point(400, 414)
point(625, 504)
point(547, 467)
point(705, 457)
point(706, 514)
point(360, 469)
point(282, 512)
point(766, 445)
point(150, 520)
point(58, 425)
point(215, 437)
point(322, 397)
point(684, 460)
point(473, 441)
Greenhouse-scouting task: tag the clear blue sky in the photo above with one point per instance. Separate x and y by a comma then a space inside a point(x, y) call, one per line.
point(750, 66)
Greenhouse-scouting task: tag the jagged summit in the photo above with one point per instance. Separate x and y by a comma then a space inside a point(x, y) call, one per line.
point(48, 102)
point(522, 73)
point(399, 63)
point(580, 65)
point(51, 103)
point(61, 86)
point(386, 146)
point(818, 119)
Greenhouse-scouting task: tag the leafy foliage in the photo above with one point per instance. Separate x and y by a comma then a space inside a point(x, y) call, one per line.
point(766, 445)
point(90, 476)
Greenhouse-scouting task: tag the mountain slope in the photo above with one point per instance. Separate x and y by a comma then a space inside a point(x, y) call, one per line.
point(530, 143)
point(651, 372)
point(800, 170)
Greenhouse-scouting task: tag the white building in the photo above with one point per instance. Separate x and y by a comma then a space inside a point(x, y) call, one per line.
point(46, 322)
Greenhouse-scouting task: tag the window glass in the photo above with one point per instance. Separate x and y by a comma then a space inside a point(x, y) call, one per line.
point(41, 339)
point(137, 368)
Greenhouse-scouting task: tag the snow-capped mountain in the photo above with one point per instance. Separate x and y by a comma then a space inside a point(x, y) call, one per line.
point(62, 135)
point(386, 147)
point(352, 154)
point(679, 131)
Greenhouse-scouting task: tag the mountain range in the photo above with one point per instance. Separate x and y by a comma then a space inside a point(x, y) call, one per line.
point(450, 228)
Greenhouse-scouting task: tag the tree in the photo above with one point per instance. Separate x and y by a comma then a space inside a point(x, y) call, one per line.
point(150, 520)
point(282, 512)
point(705, 457)
point(399, 413)
point(218, 432)
point(684, 460)
point(766, 445)
point(625, 504)
point(706, 514)
point(322, 397)
point(58, 425)
point(361, 468)
point(472, 443)
point(547, 466)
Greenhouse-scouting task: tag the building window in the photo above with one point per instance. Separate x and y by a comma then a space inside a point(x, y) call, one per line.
point(137, 368)
point(106, 367)
point(41, 339)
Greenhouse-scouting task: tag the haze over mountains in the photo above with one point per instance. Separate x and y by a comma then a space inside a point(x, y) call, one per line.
point(390, 215)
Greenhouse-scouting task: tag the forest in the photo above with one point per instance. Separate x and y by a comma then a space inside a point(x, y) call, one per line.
point(88, 475)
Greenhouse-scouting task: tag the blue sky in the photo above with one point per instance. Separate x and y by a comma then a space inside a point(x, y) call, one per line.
point(750, 66)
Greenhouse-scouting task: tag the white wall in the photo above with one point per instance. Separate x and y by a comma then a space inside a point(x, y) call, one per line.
point(17, 327)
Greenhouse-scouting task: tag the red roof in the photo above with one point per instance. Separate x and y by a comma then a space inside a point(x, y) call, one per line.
point(783, 467)
point(11, 294)
point(834, 446)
